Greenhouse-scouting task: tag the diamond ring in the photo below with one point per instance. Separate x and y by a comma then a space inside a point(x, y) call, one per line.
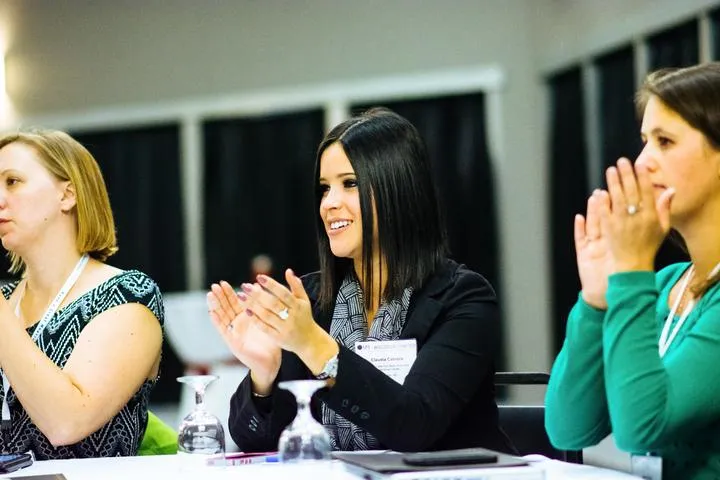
point(230, 326)
point(284, 313)
point(632, 209)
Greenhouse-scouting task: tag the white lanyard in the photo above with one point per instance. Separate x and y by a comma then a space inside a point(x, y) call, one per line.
point(49, 313)
point(666, 336)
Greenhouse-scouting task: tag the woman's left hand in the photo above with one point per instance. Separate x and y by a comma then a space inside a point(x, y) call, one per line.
point(636, 223)
point(286, 315)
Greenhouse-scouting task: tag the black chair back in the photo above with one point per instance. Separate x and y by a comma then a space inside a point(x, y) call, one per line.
point(525, 424)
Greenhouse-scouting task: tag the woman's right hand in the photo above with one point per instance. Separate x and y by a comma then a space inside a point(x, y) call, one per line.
point(594, 259)
point(253, 347)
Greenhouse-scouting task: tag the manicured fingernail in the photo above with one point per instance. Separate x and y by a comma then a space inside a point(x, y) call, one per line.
point(242, 297)
point(262, 279)
point(247, 288)
point(249, 312)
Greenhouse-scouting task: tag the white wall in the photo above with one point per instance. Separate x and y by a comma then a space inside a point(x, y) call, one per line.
point(77, 56)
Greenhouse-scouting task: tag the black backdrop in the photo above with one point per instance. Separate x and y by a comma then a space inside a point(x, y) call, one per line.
point(259, 194)
point(568, 190)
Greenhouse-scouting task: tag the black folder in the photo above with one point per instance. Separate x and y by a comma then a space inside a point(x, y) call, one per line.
point(384, 464)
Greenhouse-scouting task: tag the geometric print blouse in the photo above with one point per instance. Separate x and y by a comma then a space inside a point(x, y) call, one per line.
point(121, 436)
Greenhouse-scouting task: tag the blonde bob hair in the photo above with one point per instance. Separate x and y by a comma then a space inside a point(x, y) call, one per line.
point(66, 159)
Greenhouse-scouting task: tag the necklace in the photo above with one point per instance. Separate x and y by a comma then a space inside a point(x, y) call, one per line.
point(5, 423)
point(685, 294)
point(667, 336)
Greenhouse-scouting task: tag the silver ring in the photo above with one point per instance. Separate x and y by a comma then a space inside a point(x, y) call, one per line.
point(632, 209)
point(284, 313)
point(230, 326)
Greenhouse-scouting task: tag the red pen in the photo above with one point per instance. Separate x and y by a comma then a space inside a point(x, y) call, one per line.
point(240, 458)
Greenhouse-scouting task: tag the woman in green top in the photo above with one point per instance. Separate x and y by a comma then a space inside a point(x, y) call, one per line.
point(641, 359)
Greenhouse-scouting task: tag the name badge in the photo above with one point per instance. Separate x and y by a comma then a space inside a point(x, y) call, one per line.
point(646, 466)
point(392, 357)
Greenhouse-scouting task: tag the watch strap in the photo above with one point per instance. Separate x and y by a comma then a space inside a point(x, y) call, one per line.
point(330, 369)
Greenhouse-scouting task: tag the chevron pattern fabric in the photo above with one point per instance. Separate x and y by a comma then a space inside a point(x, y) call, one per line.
point(348, 327)
point(119, 437)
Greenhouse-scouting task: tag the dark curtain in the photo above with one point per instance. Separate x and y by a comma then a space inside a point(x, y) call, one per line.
point(715, 32)
point(454, 130)
point(675, 47)
point(5, 276)
point(142, 172)
point(619, 125)
point(141, 167)
point(259, 194)
point(568, 190)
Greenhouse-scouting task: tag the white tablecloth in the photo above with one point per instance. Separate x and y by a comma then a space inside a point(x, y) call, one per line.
point(180, 467)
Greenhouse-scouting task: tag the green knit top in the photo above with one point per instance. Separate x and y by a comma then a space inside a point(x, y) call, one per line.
point(609, 376)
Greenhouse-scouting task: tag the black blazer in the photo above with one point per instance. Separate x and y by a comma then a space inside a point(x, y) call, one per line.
point(447, 400)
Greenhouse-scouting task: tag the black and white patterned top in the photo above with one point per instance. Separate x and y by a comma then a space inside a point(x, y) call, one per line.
point(348, 327)
point(122, 435)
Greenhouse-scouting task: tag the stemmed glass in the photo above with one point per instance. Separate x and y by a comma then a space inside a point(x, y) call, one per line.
point(304, 439)
point(200, 432)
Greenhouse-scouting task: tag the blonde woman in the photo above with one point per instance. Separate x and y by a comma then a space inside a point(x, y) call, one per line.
point(80, 340)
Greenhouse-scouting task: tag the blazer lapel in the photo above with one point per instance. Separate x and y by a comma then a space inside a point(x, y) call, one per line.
point(425, 306)
point(424, 312)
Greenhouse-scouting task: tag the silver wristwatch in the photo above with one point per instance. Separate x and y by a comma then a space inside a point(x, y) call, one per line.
point(329, 370)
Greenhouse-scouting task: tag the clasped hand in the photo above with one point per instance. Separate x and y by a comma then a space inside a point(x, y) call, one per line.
point(285, 315)
point(263, 319)
point(622, 231)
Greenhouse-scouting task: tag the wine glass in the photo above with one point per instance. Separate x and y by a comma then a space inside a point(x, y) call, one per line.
point(304, 439)
point(200, 432)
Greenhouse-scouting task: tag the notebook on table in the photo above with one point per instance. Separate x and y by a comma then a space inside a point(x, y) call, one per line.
point(470, 463)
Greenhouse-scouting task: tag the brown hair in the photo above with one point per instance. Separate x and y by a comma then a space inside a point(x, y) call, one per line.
point(68, 160)
point(694, 94)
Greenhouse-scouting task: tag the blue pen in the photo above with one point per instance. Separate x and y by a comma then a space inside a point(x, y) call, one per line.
point(243, 460)
point(254, 460)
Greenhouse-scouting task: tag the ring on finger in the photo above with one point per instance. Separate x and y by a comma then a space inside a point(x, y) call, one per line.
point(632, 209)
point(284, 313)
point(230, 327)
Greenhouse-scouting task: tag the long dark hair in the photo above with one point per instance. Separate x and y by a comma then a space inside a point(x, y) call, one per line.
point(392, 169)
point(694, 94)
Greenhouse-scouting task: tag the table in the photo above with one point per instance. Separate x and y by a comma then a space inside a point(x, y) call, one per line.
point(180, 467)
